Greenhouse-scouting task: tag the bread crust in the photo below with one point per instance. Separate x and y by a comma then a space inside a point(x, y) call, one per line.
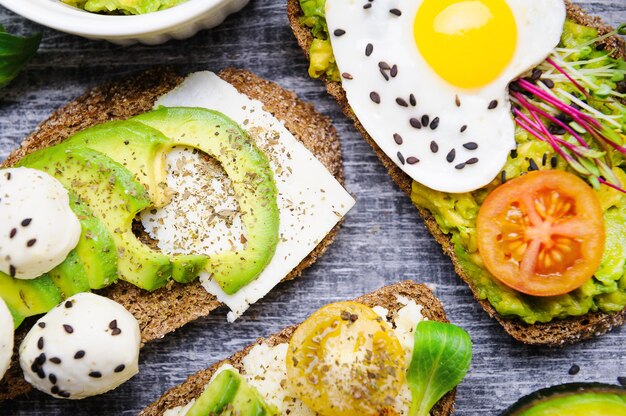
point(385, 297)
point(555, 333)
point(127, 98)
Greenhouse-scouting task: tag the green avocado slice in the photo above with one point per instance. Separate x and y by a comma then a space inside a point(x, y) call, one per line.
point(573, 399)
point(252, 180)
point(28, 297)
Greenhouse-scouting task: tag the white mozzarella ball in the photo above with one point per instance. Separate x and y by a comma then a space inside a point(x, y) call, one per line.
point(6, 338)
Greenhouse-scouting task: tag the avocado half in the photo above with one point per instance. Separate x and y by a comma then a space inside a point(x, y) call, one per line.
point(572, 399)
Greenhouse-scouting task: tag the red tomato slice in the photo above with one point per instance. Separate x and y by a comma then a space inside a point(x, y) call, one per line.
point(542, 233)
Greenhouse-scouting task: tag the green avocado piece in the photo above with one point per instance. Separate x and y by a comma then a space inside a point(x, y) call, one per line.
point(28, 297)
point(252, 180)
point(141, 150)
point(218, 394)
point(230, 395)
point(574, 399)
point(114, 196)
point(123, 6)
point(70, 276)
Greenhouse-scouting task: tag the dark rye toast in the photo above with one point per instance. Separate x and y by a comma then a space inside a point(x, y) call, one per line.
point(130, 97)
point(385, 297)
point(554, 333)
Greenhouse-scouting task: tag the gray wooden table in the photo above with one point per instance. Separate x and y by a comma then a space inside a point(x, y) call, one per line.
point(383, 239)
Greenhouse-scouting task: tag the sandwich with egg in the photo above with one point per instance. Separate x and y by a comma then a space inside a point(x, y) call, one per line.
point(168, 197)
point(504, 122)
point(390, 352)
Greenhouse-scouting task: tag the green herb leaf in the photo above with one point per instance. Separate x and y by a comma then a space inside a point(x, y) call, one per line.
point(441, 357)
point(15, 52)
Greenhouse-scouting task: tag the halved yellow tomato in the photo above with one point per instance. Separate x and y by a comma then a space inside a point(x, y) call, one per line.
point(542, 233)
point(345, 360)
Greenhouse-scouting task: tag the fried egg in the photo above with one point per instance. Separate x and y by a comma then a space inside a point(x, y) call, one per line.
point(428, 79)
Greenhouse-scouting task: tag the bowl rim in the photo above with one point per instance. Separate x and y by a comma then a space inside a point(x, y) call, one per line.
point(66, 18)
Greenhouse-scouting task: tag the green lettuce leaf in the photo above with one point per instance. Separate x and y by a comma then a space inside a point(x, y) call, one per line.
point(15, 52)
point(442, 354)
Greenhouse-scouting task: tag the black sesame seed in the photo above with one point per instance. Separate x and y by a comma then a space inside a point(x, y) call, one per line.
point(116, 331)
point(394, 71)
point(79, 354)
point(515, 87)
point(471, 146)
point(367, 5)
point(425, 120)
point(12, 233)
point(412, 160)
point(493, 104)
point(434, 147)
point(113, 324)
point(544, 159)
point(347, 76)
point(55, 390)
point(369, 49)
point(119, 368)
point(55, 360)
point(471, 161)
point(556, 130)
point(514, 154)
point(397, 138)
point(400, 158)
point(40, 343)
point(574, 369)
point(463, 128)
point(621, 380)
point(8, 176)
point(553, 162)
point(395, 12)
point(375, 97)
point(339, 32)
point(41, 373)
point(12, 270)
point(532, 165)
point(31, 242)
point(415, 123)
point(69, 304)
point(383, 65)
point(537, 73)
point(412, 100)
point(52, 378)
point(384, 74)
point(42, 324)
point(34, 367)
point(68, 329)
point(63, 394)
point(434, 124)
point(457, 101)
point(548, 83)
point(402, 102)
point(26, 222)
point(503, 176)
point(451, 156)
point(459, 166)
point(95, 374)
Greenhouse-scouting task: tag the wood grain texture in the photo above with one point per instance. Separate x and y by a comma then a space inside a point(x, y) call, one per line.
point(382, 241)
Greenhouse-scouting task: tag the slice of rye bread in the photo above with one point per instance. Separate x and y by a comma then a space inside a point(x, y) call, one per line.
point(555, 333)
point(385, 297)
point(171, 307)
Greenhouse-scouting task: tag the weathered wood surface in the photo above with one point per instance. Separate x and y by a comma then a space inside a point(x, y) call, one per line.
point(383, 239)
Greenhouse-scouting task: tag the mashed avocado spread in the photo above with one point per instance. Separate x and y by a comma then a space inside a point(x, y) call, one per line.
point(123, 6)
point(456, 214)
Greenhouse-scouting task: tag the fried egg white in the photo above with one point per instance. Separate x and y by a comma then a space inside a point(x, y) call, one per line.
point(428, 78)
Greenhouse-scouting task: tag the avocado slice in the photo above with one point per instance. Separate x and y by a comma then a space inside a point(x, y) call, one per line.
point(114, 196)
point(28, 297)
point(572, 399)
point(230, 395)
point(252, 180)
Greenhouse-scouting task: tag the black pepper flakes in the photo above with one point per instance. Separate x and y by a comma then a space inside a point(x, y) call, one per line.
point(415, 123)
point(375, 97)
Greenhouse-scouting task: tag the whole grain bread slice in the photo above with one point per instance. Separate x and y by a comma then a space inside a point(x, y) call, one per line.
point(385, 297)
point(167, 309)
point(554, 333)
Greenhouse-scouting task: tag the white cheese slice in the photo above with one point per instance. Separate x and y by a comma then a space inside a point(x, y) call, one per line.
point(311, 201)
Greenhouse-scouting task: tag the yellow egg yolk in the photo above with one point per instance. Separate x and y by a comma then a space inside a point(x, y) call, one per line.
point(468, 43)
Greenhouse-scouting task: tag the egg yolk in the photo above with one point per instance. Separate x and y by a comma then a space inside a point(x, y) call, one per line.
point(468, 43)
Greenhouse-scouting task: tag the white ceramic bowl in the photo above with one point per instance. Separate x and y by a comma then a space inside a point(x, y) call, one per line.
point(178, 22)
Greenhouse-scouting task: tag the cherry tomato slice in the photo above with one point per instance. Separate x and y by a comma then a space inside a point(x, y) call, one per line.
point(346, 360)
point(542, 233)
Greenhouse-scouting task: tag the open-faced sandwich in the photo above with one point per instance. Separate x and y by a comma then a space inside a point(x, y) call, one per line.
point(504, 122)
point(168, 197)
point(390, 352)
